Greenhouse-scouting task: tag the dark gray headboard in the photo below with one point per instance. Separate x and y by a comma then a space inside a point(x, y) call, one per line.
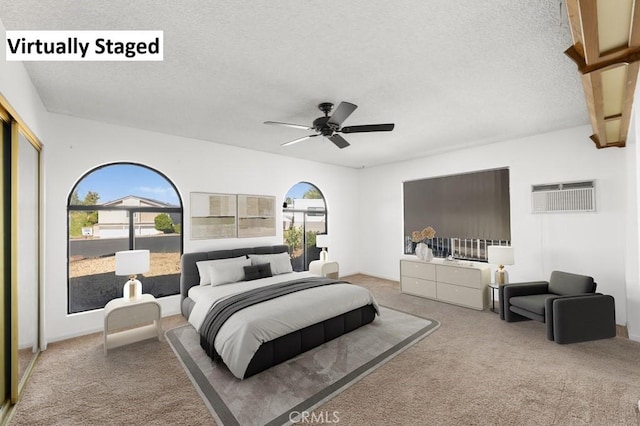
point(189, 275)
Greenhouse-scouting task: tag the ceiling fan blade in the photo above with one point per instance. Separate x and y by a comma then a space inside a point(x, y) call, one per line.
point(368, 128)
point(339, 141)
point(298, 140)
point(344, 110)
point(295, 126)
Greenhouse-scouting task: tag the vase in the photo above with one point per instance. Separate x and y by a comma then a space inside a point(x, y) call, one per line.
point(424, 252)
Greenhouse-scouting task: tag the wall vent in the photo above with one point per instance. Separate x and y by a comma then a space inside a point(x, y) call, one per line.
point(564, 197)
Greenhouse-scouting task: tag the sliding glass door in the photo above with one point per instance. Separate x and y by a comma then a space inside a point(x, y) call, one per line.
point(19, 256)
point(5, 293)
point(26, 222)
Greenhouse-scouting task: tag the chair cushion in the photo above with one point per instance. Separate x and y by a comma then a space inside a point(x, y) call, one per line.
point(564, 283)
point(532, 303)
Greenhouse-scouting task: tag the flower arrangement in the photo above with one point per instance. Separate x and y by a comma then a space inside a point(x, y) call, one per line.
point(421, 236)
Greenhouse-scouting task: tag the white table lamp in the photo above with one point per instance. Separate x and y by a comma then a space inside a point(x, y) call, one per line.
point(131, 263)
point(322, 241)
point(501, 255)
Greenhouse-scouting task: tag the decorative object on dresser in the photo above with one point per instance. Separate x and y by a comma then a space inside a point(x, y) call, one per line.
point(131, 263)
point(128, 321)
point(568, 305)
point(322, 241)
point(309, 310)
point(423, 251)
point(325, 268)
point(463, 284)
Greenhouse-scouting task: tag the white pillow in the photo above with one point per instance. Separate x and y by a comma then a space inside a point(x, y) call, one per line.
point(280, 263)
point(228, 272)
point(203, 267)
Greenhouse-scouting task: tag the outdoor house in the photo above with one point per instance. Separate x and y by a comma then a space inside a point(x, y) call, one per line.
point(115, 223)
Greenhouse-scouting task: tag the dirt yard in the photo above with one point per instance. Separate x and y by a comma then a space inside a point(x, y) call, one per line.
point(160, 264)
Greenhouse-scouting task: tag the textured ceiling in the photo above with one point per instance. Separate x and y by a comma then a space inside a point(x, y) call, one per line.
point(449, 74)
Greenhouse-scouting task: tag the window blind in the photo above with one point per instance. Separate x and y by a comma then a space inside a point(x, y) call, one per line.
point(471, 205)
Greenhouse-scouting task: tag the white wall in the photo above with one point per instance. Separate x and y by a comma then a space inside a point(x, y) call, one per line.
point(75, 146)
point(16, 87)
point(633, 230)
point(365, 206)
point(587, 243)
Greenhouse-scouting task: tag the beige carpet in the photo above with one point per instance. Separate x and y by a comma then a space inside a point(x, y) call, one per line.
point(475, 370)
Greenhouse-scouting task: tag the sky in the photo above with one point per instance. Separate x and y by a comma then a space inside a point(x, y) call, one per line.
point(298, 190)
point(119, 180)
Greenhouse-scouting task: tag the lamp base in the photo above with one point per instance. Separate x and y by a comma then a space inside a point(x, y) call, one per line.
point(501, 276)
point(324, 256)
point(132, 290)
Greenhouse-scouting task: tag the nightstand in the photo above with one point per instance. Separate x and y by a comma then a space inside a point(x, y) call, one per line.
point(136, 320)
point(325, 268)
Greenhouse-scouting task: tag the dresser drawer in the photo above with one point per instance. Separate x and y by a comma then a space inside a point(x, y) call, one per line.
point(468, 277)
point(418, 287)
point(423, 270)
point(470, 297)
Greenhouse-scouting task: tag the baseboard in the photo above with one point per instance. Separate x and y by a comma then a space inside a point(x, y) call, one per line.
point(622, 331)
point(395, 279)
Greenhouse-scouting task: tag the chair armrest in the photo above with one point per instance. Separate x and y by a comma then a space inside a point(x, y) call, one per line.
point(548, 310)
point(524, 289)
point(583, 317)
point(508, 291)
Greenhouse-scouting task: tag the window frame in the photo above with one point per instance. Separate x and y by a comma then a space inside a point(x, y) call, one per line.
point(307, 212)
point(131, 216)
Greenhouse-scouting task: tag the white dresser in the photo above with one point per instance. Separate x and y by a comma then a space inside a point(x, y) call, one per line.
point(450, 282)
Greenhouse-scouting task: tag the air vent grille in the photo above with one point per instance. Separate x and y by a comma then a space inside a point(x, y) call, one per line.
point(563, 197)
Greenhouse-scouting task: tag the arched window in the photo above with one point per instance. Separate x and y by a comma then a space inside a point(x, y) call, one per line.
point(304, 216)
point(115, 207)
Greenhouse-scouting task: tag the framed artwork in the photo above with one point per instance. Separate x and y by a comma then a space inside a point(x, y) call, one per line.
point(213, 216)
point(256, 216)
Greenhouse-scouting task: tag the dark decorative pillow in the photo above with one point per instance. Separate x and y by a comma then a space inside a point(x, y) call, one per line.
point(251, 272)
point(265, 270)
point(255, 272)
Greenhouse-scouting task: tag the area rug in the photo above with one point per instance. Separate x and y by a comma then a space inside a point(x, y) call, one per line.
point(288, 392)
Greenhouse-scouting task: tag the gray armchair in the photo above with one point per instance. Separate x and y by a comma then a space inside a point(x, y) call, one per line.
point(567, 304)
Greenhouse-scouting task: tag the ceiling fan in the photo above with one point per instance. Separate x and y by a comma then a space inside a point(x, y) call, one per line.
point(330, 126)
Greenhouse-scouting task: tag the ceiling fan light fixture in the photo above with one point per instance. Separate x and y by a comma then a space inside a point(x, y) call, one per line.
point(329, 125)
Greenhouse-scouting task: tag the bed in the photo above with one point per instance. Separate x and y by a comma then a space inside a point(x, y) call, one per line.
point(267, 314)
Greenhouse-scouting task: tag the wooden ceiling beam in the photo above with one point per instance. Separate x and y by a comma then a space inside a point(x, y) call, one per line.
point(609, 72)
point(588, 13)
point(634, 31)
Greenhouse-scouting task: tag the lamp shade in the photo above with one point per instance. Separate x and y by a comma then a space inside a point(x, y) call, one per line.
point(500, 255)
point(322, 240)
point(132, 262)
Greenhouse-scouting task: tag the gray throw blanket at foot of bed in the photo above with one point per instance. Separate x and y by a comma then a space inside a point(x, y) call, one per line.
point(222, 310)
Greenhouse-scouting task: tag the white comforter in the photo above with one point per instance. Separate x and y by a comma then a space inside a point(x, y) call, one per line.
point(243, 333)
